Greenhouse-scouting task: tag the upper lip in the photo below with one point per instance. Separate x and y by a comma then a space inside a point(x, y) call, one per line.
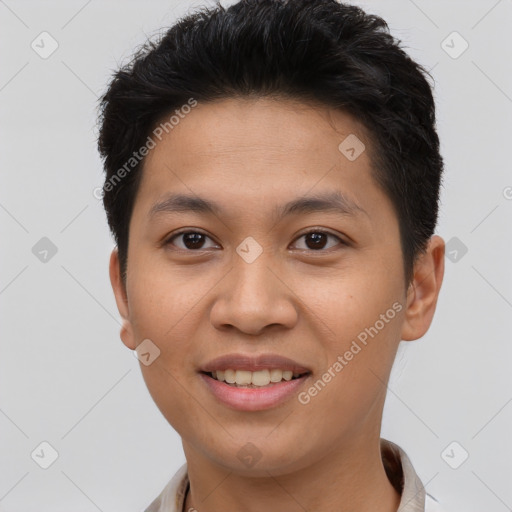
point(253, 363)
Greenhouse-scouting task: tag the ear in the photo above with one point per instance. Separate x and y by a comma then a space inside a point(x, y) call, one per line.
point(424, 290)
point(121, 300)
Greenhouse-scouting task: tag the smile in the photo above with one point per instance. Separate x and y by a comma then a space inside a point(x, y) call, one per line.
point(261, 378)
point(253, 397)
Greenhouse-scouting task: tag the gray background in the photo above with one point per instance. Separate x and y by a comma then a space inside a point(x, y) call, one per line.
point(65, 376)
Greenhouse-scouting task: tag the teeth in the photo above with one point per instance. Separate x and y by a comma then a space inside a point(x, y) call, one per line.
point(276, 375)
point(247, 378)
point(243, 377)
point(230, 376)
point(287, 375)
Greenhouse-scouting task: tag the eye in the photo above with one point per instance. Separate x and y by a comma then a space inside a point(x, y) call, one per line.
point(190, 239)
point(316, 239)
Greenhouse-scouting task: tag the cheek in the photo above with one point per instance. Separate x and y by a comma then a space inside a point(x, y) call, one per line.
point(351, 383)
point(358, 318)
point(165, 310)
point(347, 302)
point(161, 310)
point(161, 298)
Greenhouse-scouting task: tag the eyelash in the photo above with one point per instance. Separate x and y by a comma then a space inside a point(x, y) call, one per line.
point(168, 241)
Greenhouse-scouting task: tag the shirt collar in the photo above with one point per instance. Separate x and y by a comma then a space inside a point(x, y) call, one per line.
point(396, 463)
point(402, 475)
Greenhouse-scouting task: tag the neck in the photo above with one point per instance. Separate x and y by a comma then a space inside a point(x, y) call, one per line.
point(352, 479)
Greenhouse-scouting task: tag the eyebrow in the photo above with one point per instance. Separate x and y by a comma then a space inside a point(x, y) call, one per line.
point(335, 202)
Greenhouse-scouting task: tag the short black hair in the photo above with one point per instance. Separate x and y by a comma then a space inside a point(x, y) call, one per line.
point(321, 51)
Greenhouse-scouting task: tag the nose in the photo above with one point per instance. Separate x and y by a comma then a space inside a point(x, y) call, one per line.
point(254, 297)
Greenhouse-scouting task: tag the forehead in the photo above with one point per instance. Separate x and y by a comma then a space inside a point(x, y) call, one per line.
point(244, 125)
point(244, 131)
point(257, 151)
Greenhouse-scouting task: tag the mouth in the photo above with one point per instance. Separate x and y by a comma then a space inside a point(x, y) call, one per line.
point(244, 395)
point(254, 379)
point(246, 382)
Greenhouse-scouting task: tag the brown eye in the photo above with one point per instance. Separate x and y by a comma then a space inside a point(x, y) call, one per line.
point(190, 240)
point(317, 240)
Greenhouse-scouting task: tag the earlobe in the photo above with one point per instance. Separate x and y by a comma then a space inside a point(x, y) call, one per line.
point(424, 290)
point(121, 297)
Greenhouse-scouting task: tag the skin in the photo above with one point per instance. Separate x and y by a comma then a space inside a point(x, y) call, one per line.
point(251, 155)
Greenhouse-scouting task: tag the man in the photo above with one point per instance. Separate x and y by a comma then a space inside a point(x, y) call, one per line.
point(272, 184)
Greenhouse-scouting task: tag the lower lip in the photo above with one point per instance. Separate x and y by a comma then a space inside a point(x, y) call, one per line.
point(253, 399)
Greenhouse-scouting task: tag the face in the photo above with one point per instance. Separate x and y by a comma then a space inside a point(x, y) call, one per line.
point(297, 257)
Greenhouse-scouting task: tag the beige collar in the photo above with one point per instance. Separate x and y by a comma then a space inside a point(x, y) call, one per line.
point(398, 468)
